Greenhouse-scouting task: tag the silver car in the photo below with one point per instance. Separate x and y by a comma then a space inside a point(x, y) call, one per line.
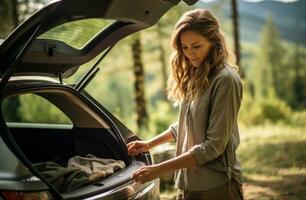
point(34, 60)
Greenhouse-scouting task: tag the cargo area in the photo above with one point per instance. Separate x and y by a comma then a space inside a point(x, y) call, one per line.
point(58, 145)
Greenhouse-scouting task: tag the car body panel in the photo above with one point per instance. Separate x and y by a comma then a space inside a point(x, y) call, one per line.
point(11, 168)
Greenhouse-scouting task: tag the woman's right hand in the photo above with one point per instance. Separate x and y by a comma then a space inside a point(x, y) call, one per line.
point(137, 147)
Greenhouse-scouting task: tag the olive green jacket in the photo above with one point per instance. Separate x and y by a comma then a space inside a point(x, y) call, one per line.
point(207, 128)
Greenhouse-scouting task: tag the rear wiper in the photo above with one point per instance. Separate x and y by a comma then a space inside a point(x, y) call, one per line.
point(91, 73)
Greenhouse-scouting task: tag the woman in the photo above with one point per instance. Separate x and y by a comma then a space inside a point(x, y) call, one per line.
point(205, 83)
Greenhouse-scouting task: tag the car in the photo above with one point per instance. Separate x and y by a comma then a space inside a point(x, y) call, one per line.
point(35, 60)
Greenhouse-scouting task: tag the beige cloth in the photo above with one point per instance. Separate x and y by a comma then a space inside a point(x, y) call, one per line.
point(207, 128)
point(95, 167)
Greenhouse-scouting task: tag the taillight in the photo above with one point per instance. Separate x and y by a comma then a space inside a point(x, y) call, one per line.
point(14, 195)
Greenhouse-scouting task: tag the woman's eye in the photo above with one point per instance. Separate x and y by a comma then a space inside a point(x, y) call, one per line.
point(197, 46)
point(184, 48)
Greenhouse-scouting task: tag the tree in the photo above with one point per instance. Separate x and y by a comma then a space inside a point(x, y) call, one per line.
point(268, 71)
point(162, 58)
point(235, 19)
point(274, 52)
point(142, 115)
point(298, 80)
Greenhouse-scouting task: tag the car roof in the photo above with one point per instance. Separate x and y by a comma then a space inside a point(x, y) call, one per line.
point(51, 57)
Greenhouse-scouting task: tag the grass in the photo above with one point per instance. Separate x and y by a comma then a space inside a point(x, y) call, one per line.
point(274, 163)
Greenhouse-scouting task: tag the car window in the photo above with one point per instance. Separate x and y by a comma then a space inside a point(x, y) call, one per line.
point(31, 108)
point(76, 33)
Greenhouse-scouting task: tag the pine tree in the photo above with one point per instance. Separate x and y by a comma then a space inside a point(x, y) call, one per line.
point(268, 71)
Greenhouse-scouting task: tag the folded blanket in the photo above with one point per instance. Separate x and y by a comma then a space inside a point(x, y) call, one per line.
point(96, 167)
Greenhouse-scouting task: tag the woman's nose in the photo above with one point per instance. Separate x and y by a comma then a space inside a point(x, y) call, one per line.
point(190, 52)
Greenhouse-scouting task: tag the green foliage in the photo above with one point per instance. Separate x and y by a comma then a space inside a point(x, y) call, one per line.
point(162, 114)
point(274, 109)
point(267, 66)
point(10, 109)
point(274, 87)
point(250, 110)
point(295, 84)
point(32, 109)
point(269, 109)
point(298, 119)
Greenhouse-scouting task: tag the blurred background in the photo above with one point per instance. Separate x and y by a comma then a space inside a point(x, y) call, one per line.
point(269, 39)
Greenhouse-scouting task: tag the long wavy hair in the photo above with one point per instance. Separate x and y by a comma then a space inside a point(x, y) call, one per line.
point(186, 82)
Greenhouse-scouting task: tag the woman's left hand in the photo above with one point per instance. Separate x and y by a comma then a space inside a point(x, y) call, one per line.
point(147, 173)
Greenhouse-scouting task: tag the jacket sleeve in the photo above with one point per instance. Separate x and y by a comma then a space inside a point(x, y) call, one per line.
point(226, 98)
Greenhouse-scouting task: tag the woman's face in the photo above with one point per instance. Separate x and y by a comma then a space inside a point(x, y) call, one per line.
point(195, 47)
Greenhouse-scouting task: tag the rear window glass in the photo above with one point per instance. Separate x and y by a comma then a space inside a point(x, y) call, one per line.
point(31, 108)
point(76, 33)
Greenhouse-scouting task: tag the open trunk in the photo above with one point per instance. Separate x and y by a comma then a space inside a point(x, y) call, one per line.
point(57, 143)
point(61, 143)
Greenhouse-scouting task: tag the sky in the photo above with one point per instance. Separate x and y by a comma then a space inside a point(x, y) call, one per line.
point(287, 1)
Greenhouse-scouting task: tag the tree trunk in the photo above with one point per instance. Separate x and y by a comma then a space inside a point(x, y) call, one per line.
point(235, 18)
point(142, 116)
point(162, 60)
point(298, 84)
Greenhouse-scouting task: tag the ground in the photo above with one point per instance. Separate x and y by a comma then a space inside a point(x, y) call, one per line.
point(274, 164)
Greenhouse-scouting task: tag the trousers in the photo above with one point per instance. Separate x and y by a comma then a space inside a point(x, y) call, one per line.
point(228, 191)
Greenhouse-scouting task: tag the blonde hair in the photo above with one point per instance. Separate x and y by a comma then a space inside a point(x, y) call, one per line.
point(185, 81)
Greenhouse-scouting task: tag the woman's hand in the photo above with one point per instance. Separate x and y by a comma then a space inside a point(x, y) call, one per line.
point(137, 147)
point(147, 173)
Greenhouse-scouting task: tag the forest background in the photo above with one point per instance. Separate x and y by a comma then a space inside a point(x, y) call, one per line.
point(272, 118)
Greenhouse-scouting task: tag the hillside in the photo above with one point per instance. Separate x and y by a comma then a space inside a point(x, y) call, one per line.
point(290, 18)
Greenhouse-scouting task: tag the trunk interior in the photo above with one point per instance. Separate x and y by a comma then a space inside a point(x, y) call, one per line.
point(58, 145)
